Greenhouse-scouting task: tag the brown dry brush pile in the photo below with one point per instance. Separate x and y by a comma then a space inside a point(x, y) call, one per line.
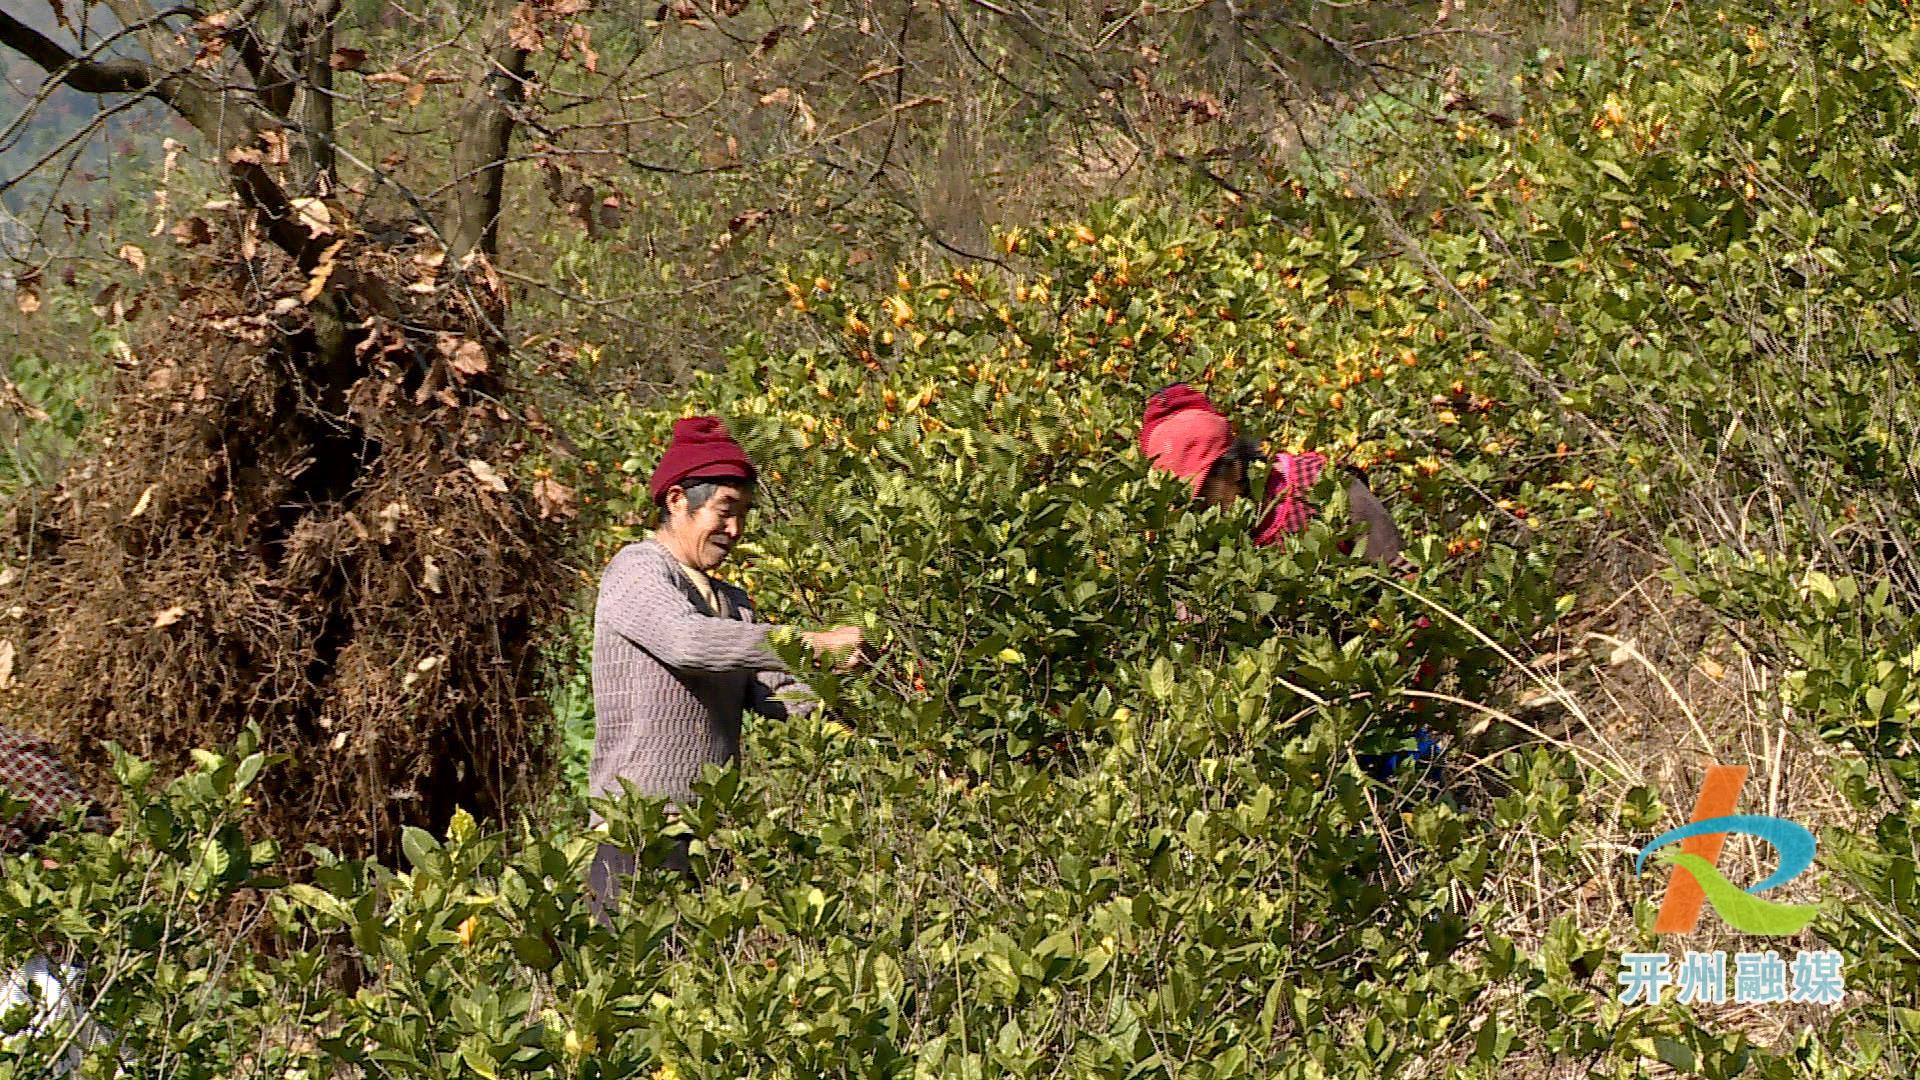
point(283, 535)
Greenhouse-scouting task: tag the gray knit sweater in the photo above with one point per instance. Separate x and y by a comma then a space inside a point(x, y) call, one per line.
point(671, 680)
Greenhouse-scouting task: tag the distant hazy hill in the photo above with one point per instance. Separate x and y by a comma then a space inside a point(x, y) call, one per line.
point(61, 116)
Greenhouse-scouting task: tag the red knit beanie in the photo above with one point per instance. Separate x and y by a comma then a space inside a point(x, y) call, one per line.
point(1184, 434)
point(701, 447)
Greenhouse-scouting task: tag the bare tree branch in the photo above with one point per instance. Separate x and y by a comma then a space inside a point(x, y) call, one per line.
point(86, 76)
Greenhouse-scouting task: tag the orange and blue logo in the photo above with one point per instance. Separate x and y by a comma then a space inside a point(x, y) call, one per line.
point(1696, 878)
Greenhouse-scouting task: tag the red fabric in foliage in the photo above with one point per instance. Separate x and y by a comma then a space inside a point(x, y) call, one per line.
point(1288, 482)
point(701, 447)
point(1184, 434)
point(31, 771)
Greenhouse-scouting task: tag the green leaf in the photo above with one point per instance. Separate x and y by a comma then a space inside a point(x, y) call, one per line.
point(420, 848)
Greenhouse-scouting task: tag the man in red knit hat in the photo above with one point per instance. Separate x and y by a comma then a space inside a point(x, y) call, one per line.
point(678, 657)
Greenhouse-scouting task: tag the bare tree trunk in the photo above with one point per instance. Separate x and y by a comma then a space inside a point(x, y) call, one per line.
point(480, 159)
point(313, 36)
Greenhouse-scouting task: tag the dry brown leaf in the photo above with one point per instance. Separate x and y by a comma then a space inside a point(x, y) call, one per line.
point(275, 141)
point(134, 257)
point(60, 14)
point(879, 73)
point(1622, 653)
point(389, 516)
point(1714, 669)
point(145, 500)
point(464, 355)
point(554, 499)
point(11, 397)
point(316, 282)
point(26, 293)
point(347, 59)
point(389, 77)
point(7, 574)
point(317, 279)
point(487, 476)
point(431, 576)
point(314, 215)
point(777, 97)
point(192, 232)
point(168, 616)
point(6, 664)
point(416, 93)
point(524, 30)
point(581, 37)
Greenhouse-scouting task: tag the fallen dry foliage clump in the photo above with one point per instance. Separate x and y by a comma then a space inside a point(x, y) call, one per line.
point(319, 530)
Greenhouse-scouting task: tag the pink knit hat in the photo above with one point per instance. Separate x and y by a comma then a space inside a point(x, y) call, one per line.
point(1184, 434)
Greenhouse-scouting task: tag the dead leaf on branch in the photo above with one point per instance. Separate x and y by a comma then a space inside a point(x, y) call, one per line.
point(416, 93)
point(347, 59)
point(134, 257)
point(26, 292)
point(1204, 108)
point(389, 518)
point(106, 304)
point(314, 214)
point(464, 355)
point(389, 77)
point(554, 499)
point(487, 476)
point(192, 232)
point(740, 223)
point(212, 32)
point(317, 278)
point(523, 31)
point(11, 397)
point(581, 37)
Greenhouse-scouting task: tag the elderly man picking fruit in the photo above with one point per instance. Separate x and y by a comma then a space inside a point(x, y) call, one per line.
point(678, 656)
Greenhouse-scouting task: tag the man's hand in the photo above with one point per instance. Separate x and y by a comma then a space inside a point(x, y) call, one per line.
point(848, 639)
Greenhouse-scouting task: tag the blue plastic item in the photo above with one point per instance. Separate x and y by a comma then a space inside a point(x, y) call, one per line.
point(1381, 766)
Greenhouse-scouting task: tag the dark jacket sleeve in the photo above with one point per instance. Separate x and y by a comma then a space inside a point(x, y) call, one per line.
point(1382, 537)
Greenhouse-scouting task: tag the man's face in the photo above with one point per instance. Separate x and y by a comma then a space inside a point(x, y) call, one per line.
point(708, 534)
point(1224, 486)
